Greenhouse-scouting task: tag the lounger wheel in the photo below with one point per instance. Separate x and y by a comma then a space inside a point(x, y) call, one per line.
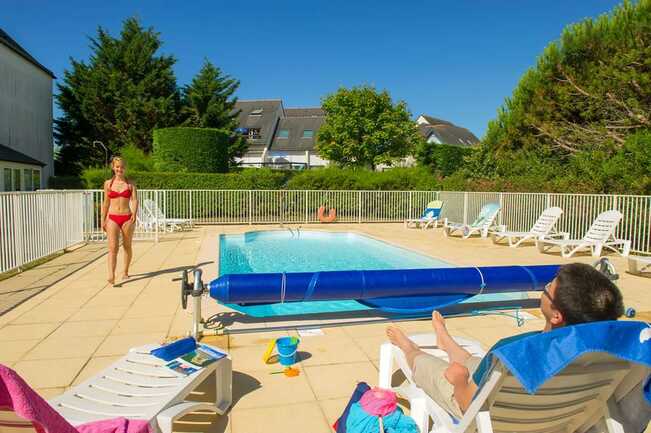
point(167, 417)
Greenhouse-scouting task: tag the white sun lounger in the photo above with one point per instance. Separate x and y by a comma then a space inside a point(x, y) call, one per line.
point(639, 264)
point(600, 235)
point(139, 386)
point(430, 217)
point(482, 225)
point(580, 397)
point(544, 226)
point(171, 224)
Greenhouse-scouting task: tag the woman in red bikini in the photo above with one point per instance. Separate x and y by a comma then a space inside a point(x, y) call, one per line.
point(119, 211)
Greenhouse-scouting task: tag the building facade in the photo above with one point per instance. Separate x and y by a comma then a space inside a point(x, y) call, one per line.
point(26, 150)
point(278, 136)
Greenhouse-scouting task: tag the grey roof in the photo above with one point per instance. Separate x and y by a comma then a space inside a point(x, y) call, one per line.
point(6, 40)
point(449, 134)
point(9, 154)
point(304, 112)
point(434, 121)
point(272, 111)
point(296, 126)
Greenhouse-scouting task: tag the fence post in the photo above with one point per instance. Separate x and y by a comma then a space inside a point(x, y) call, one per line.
point(465, 208)
point(410, 207)
point(307, 209)
point(359, 207)
point(250, 209)
point(499, 215)
point(548, 200)
point(17, 223)
point(156, 220)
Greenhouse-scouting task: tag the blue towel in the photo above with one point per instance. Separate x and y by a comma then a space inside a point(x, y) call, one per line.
point(359, 421)
point(535, 359)
point(341, 423)
point(175, 349)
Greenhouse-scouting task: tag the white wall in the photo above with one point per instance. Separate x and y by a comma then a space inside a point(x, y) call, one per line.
point(26, 109)
point(25, 183)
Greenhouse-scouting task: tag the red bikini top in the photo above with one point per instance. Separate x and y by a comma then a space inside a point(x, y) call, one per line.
point(115, 194)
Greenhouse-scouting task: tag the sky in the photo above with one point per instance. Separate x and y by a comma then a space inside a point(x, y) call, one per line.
point(452, 59)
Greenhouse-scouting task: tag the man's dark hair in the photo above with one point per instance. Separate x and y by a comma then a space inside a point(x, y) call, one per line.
point(584, 294)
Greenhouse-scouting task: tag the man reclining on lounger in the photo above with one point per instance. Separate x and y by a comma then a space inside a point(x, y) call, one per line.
point(578, 294)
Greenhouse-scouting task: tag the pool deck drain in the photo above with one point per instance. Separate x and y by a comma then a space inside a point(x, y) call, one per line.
point(79, 325)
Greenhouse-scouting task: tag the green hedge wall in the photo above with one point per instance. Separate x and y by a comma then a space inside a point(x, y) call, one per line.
point(396, 179)
point(252, 178)
point(65, 182)
point(194, 150)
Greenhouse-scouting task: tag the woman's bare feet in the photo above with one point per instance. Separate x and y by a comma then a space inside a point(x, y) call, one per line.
point(445, 341)
point(111, 280)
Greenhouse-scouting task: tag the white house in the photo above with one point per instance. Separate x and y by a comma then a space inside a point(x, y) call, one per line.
point(26, 151)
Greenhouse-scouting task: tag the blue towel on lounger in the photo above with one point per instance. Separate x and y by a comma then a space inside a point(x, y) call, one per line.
point(175, 349)
point(535, 359)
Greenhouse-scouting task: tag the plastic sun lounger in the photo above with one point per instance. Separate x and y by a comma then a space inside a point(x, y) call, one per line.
point(581, 396)
point(639, 264)
point(430, 217)
point(139, 386)
point(544, 226)
point(482, 225)
point(159, 218)
point(600, 235)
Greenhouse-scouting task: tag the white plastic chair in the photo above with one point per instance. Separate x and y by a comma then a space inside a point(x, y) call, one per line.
point(482, 225)
point(172, 224)
point(581, 396)
point(544, 226)
point(430, 217)
point(600, 235)
point(139, 386)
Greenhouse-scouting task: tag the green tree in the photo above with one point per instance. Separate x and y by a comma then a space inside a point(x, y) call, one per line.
point(208, 102)
point(118, 97)
point(364, 128)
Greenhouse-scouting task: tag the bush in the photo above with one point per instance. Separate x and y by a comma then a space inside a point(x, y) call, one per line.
point(191, 150)
point(65, 182)
point(397, 179)
point(443, 158)
point(252, 178)
point(136, 158)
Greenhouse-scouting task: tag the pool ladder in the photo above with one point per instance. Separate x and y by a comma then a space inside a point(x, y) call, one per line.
point(298, 231)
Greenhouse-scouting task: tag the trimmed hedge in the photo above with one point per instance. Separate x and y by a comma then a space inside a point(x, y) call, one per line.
point(396, 179)
point(252, 178)
point(195, 150)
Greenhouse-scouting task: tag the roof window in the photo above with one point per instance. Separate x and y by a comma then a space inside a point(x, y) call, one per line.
point(256, 112)
point(283, 133)
point(308, 133)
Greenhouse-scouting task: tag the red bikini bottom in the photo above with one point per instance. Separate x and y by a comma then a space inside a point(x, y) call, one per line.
point(119, 219)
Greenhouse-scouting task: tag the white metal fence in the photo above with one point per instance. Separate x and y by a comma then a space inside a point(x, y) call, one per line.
point(34, 225)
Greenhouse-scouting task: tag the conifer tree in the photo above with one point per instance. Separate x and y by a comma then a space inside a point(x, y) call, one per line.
point(118, 97)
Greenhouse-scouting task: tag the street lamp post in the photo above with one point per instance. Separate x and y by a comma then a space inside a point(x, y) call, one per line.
point(95, 143)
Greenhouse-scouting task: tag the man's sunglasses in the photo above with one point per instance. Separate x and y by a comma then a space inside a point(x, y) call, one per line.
point(545, 291)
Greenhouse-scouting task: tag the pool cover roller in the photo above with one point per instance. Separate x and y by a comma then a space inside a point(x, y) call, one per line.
point(395, 291)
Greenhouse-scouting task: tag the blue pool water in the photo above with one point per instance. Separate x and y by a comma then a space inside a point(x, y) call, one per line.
point(313, 251)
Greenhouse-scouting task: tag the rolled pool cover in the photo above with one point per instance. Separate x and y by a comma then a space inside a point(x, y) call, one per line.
point(395, 290)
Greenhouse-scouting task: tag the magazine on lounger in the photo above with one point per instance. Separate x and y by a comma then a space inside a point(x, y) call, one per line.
point(197, 359)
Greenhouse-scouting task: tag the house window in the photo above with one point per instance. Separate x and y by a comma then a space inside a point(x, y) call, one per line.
point(8, 184)
point(36, 179)
point(17, 180)
point(283, 133)
point(254, 133)
point(27, 178)
point(308, 133)
point(256, 112)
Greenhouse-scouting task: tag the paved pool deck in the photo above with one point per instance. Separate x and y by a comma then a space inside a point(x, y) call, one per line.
point(75, 326)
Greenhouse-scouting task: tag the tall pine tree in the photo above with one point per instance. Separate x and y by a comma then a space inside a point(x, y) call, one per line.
point(118, 97)
point(208, 102)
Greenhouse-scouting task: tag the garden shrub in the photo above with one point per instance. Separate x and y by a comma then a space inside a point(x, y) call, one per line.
point(252, 178)
point(443, 158)
point(192, 150)
point(396, 179)
point(65, 182)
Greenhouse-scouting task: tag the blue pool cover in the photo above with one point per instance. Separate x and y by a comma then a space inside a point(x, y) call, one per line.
point(403, 291)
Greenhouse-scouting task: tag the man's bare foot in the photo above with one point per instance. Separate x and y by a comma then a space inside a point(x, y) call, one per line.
point(445, 341)
point(398, 338)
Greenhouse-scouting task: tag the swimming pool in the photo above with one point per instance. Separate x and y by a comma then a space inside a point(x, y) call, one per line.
point(314, 251)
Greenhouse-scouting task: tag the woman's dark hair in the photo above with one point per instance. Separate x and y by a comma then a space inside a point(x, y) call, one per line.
point(583, 294)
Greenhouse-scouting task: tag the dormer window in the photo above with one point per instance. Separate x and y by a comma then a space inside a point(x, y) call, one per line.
point(308, 133)
point(283, 133)
point(254, 133)
point(256, 112)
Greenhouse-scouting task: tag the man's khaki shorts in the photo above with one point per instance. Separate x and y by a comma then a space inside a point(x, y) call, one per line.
point(429, 375)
